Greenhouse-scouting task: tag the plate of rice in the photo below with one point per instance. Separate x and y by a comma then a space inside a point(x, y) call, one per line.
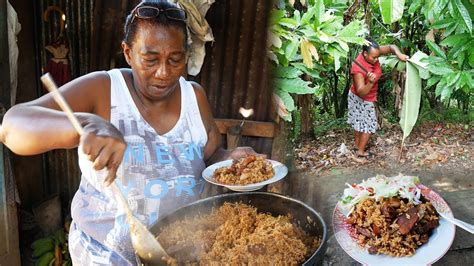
point(245, 174)
point(392, 221)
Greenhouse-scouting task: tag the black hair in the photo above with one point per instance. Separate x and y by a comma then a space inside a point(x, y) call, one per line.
point(132, 24)
point(372, 45)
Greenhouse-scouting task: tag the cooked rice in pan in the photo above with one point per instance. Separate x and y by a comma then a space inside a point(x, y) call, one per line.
point(236, 234)
point(393, 226)
point(248, 170)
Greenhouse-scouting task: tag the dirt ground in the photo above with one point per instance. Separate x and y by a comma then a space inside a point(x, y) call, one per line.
point(430, 144)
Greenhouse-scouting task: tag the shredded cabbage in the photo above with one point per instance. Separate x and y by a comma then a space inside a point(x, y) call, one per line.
point(380, 187)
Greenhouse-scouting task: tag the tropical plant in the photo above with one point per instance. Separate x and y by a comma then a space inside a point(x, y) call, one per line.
point(443, 28)
point(307, 43)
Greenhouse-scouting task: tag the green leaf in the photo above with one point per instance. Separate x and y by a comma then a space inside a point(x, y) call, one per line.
point(459, 48)
point(287, 72)
point(308, 15)
point(444, 23)
point(414, 6)
point(289, 23)
point(411, 100)
point(313, 72)
point(324, 37)
point(308, 31)
point(440, 87)
point(296, 85)
point(466, 79)
point(291, 49)
point(461, 58)
point(440, 69)
point(452, 78)
point(352, 33)
point(391, 10)
point(435, 48)
point(433, 80)
point(282, 59)
point(446, 93)
point(297, 16)
point(471, 59)
point(319, 11)
point(456, 40)
point(343, 45)
point(287, 100)
point(450, 29)
point(461, 9)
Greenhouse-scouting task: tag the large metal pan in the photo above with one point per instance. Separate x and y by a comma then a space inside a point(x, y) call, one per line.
point(307, 218)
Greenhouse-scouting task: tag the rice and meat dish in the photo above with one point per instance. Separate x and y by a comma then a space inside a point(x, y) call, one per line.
point(248, 170)
point(237, 234)
point(389, 215)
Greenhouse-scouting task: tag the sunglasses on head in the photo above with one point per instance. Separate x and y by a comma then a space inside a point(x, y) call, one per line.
point(147, 12)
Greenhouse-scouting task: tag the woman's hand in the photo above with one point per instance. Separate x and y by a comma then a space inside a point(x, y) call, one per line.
point(403, 57)
point(371, 76)
point(103, 144)
point(241, 152)
point(221, 154)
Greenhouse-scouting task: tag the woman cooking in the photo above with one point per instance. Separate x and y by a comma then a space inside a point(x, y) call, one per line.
point(366, 72)
point(146, 128)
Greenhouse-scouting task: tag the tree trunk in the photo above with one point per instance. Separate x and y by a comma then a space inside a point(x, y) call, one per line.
point(349, 14)
point(305, 102)
point(335, 97)
point(367, 13)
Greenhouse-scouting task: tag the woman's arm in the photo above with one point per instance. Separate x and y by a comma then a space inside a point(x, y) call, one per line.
point(39, 126)
point(393, 49)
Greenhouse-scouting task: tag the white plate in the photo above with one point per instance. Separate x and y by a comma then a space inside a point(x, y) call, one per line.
point(440, 240)
point(279, 169)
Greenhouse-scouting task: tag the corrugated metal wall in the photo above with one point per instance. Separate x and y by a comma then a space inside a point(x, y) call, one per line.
point(61, 173)
point(234, 73)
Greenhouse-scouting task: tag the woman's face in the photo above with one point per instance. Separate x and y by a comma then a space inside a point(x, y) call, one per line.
point(372, 56)
point(157, 58)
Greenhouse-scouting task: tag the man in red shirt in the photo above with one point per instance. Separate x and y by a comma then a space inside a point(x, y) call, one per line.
point(366, 72)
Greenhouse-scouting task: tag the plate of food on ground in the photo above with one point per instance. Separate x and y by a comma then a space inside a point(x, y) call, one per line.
point(392, 221)
point(245, 174)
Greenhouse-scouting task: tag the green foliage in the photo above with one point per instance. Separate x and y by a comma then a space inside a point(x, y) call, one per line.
point(311, 51)
point(327, 124)
point(452, 60)
point(306, 44)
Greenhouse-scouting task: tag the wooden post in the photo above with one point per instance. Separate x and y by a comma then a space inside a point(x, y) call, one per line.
point(234, 137)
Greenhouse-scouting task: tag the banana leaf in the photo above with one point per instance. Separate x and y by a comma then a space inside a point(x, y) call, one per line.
point(411, 97)
point(391, 10)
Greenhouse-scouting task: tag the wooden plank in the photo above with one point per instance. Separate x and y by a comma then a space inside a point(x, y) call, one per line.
point(250, 128)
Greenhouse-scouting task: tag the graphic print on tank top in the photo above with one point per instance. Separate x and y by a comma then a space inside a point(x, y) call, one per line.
point(159, 173)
